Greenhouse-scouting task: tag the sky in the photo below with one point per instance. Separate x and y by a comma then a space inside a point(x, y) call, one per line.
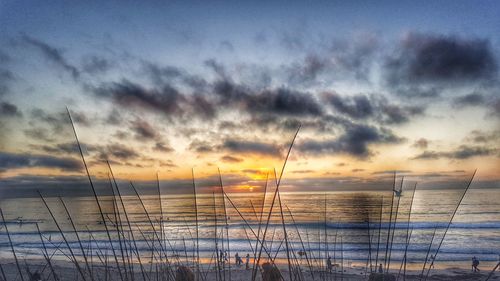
point(165, 88)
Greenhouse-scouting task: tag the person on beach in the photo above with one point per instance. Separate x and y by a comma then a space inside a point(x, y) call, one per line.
point(237, 259)
point(34, 276)
point(225, 256)
point(380, 270)
point(247, 261)
point(475, 264)
point(329, 264)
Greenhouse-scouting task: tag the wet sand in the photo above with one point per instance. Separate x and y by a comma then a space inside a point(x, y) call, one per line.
point(67, 271)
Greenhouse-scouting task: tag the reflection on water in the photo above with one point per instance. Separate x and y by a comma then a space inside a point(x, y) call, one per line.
point(351, 225)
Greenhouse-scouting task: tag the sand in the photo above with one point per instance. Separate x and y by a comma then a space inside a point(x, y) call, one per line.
point(67, 271)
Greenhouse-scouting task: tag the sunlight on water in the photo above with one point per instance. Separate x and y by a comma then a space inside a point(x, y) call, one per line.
point(346, 223)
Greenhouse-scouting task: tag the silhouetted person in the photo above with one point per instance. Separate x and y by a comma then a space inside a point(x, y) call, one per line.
point(432, 261)
point(475, 264)
point(184, 273)
point(247, 261)
point(34, 276)
point(239, 261)
point(380, 270)
point(329, 264)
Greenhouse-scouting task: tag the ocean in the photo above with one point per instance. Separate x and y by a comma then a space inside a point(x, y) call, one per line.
point(353, 228)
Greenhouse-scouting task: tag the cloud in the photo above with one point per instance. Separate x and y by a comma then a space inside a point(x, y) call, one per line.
point(354, 141)
point(357, 107)
point(121, 151)
point(164, 75)
point(162, 147)
point(216, 67)
point(371, 107)
point(166, 100)
point(461, 153)
point(472, 99)
point(279, 101)
point(57, 121)
point(16, 161)
point(96, 65)
point(9, 110)
point(39, 134)
point(423, 58)
point(251, 147)
point(201, 146)
point(143, 130)
point(230, 159)
point(421, 143)
point(52, 54)
point(478, 136)
point(60, 148)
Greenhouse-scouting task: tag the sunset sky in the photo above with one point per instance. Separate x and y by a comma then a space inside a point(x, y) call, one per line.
point(164, 87)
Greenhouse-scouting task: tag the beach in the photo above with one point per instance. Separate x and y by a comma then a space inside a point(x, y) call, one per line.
point(67, 271)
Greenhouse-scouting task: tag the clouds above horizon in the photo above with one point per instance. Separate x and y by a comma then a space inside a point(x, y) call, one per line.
point(232, 100)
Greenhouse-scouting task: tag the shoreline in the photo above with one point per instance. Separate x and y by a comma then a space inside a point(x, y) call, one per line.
point(66, 270)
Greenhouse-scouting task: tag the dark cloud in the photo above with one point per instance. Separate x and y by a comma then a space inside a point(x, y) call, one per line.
point(201, 146)
point(78, 117)
point(57, 121)
point(357, 170)
point(216, 67)
point(354, 141)
point(164, 75)
point(373, 107)
point(96, 65)
point(15, 161)
point(9, 110)
point(308, 69)
point(462, 152)
point(113, 118)
point(162, 147)
point(481, 137)
point(52, 54)
point(251, 147)
point(285, 101)
point(421, 143)
point(60, 148)
point(472, 99)
point(143, 130)
point(424, 58)
point(231, 159)
point(279, 101)
point(166, 100)
point(120, 151)
point(39, 134)
point(358, 107)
